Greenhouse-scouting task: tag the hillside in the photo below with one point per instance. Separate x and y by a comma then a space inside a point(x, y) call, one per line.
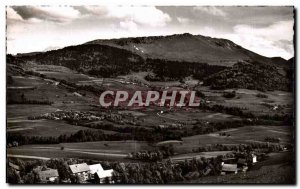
point(188, 47)
point(249, 76)
point(220, 63)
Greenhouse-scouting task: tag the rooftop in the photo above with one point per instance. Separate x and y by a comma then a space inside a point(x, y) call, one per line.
point(78, 168)
point(48, 174)
point(229, 167)
point(105, 173)
point(95, 168)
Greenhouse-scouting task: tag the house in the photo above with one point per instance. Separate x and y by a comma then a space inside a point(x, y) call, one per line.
point(94, 169)
point(81, 170)
point(253, 158)
point(242, 164)
point(229, 160)
point(48, 175)
point(15, 167)
point(229, 169)
point(104, 176)
point(99, 174)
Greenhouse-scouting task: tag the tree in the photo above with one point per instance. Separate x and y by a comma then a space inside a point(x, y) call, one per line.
point(12, 176)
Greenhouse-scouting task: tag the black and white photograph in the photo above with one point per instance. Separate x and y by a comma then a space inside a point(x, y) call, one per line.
point(150, 95)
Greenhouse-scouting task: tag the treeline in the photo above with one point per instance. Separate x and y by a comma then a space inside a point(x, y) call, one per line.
point(262, 119)
point(266, 147)
point(91, 135)
point(165, 70)
point(27, 101)
point(72, 87)
point(80, 136)
point(272, 139)
point(153, 156)
point(98, 60)
point(250, 75)
point(156, 134)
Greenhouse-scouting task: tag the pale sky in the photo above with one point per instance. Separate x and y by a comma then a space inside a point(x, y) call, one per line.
point(265, 30)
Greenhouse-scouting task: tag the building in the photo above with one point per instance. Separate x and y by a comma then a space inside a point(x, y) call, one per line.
point(81, 170)
point(100, 175)
point(229, 169)
point(104, 176)
point(253, 158)
point(94, 169)
point(48, 175)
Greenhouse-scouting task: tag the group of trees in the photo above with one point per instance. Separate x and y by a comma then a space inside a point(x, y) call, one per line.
point(272, 139)
point(147, 155)
point(253, 75)
point(266, 147)
point(258, 119)
point(94, 59)
point(24, 100)
point(166, 70)
point(229, 94)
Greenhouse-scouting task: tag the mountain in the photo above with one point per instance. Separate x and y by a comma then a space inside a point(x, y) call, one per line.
point(188, 47)
point(219, 62)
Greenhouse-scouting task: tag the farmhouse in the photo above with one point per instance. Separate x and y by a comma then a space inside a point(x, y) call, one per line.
point(49, 175)
point(46, 175)
point(99, 175)
point(81, 170)
point(229, 169)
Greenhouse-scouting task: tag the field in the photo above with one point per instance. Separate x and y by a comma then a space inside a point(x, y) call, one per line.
point(275, 101)
point(275, 170)
point(87, 150)
point(241, 135)
point(141, 122)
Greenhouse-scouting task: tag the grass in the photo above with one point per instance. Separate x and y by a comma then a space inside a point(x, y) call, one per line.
point(87, 150)
point(42, 128)
point(275, 170)
point(247, 99)
point(274, 174)
point(241, 135)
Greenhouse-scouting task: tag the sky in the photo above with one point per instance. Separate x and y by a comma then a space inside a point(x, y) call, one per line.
point(265, 30)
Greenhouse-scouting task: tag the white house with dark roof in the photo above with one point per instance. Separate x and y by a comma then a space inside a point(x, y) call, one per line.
point(82, 170)
point(49, 175)
point(99, 174)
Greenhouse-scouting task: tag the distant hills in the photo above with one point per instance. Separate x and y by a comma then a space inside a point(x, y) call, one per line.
point(173, 57)
point(188, 47)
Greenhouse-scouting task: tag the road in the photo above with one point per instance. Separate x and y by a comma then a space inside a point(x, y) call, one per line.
point(27, 157)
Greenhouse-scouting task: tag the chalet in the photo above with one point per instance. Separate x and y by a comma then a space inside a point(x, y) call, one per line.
point(94, 169)
point(81, 170)
point(100, 175)
point(229, 169)
point(48, 175)
point(104, 176)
